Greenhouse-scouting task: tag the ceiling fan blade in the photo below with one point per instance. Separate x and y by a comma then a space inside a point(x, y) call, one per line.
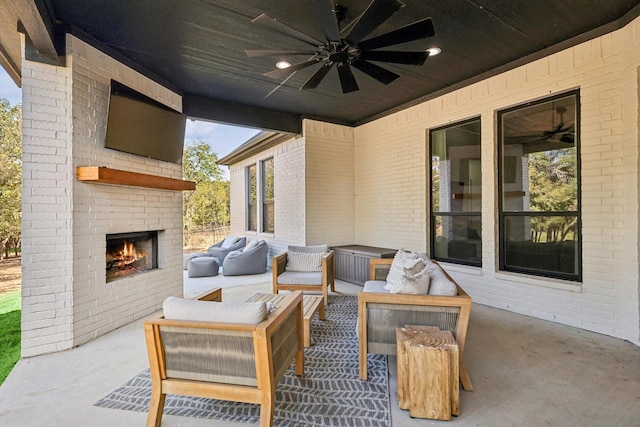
point(284, 72)
point(275, 25)
point(397, 57)
point(382, 75)
point(347, 81)
point(314, 80)
point(251, 53)
point(323, 12)
point(376, 13)
point(418, 30)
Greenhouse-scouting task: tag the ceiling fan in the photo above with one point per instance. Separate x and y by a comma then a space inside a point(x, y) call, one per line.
point(348, 47)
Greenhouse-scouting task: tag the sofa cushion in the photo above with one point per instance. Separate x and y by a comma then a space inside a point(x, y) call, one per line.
point(304, 261)
point(375, 286)
point(440, 284)
point(211, 311)
point(300, 278)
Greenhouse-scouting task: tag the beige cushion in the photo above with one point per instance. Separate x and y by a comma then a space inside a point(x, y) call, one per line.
point(211, 311)
point(300, 278)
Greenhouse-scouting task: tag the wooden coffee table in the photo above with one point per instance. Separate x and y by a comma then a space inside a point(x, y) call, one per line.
point(310, 305)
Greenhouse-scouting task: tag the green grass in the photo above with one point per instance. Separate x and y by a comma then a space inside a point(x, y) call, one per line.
point(9, 332)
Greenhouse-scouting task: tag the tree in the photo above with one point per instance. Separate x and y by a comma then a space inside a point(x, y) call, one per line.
point(208, 205)
point(10, 176)
point(553, 186)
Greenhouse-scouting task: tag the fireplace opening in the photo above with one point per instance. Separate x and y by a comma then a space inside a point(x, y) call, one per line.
point(131, 253)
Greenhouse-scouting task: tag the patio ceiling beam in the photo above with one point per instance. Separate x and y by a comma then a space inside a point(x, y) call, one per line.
point(45, 43)
point(201, 107)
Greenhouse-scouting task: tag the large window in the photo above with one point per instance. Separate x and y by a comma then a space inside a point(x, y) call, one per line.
point(267, 196)
point(539, 178)
point(456, 193)
point(252, 198)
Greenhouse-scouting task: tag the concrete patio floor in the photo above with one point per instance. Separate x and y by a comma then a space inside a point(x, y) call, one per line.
point(526, 372)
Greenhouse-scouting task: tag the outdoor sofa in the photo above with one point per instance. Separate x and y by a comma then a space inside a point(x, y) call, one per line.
point(381, 312)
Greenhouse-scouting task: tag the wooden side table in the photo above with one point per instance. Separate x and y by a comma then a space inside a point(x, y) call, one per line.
point(311, 305)
point(428, 381)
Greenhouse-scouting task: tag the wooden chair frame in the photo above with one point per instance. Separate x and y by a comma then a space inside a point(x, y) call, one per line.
point(279, 264)
point(267, 375)
point(462, 302)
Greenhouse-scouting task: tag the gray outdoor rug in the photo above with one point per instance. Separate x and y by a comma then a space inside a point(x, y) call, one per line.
point(329, 394)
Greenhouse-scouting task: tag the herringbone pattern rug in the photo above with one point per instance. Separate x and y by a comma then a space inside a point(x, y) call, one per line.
point(329, 394)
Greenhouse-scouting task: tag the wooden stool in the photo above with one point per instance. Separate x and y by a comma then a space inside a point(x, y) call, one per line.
point(428, 381)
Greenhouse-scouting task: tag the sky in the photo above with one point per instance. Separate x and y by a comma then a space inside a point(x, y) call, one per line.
point(221, 138)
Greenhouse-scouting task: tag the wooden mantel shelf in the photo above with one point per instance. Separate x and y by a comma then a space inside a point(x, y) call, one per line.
point(103, 175)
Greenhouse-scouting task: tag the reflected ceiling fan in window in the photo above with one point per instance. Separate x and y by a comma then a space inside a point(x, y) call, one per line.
point(348, 47)
point(562, 132)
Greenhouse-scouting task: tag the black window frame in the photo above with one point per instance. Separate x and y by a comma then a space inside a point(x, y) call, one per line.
point(263, 197)
point(502, 215)
point(251, 207)
point(433, 214)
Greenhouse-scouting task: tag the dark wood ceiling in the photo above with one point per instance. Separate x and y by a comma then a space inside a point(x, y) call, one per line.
point(197, 47)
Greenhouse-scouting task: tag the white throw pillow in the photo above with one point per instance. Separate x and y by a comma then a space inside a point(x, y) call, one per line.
point(307, 262)
point(212, 311)
point(403, 259)
point(252, 244)
point(417, 284)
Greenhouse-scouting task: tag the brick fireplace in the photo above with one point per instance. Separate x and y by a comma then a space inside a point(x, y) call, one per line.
point(67, 299)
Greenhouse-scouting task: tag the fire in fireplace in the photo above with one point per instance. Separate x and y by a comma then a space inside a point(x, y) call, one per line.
point(131, 253)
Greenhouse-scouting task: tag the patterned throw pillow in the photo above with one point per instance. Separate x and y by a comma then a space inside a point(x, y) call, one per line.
point(304, 262)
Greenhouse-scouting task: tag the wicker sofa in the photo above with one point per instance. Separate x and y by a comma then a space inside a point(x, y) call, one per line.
point(230, 361)
point(380, 313)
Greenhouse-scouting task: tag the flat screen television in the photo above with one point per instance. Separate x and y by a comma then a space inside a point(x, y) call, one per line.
point(139, 125)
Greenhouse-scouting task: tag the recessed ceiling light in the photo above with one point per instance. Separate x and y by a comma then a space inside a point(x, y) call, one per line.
point(283, 64)
point(433, 51)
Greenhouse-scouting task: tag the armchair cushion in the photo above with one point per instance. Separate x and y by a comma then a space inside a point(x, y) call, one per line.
point(300, 278)
point(210, 311)
point(304, 261)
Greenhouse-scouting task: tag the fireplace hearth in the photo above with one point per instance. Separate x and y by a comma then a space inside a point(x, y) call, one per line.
point(131, 253)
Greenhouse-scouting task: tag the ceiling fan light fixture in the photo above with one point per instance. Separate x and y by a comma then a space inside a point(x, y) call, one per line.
point(282, 65)
point(433, 51)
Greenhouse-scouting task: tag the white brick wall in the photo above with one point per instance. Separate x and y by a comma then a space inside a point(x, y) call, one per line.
point(66, 300)
point(329, 183)
point(391, 205)
point(289, 193)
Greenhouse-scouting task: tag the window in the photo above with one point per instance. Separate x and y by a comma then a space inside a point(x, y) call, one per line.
point(539, 178)
point(456, 193)
point(267, 196)
point(252, 199)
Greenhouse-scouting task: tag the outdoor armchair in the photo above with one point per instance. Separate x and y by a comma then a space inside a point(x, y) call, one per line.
point(237, 361)
point(304, 268)
point(250, 260)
